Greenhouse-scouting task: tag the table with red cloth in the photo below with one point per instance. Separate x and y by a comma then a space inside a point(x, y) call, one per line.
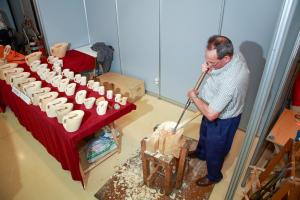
point(78, 61)
point(60, 144)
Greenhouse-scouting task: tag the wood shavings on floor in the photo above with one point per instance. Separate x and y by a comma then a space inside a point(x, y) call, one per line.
point(127, 184)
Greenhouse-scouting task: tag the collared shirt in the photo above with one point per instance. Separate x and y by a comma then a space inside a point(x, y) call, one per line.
point(225, 89)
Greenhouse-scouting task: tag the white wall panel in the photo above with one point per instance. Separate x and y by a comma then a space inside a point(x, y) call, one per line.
point(63, 20)
point(186, 26)
point(102, 22)
point(251, 25)
point(139, 41)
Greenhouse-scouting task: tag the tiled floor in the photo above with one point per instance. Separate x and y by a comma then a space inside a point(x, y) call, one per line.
point(27, 171)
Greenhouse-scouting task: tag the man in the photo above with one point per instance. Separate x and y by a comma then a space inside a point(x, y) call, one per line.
point(221, 102)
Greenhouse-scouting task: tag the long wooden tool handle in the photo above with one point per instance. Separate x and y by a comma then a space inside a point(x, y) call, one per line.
point(196, 87)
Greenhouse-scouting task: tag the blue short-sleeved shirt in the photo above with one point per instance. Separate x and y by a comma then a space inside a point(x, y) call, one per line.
point(225, 89)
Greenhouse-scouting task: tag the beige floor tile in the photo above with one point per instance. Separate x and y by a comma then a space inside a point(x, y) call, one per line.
point(27, 171)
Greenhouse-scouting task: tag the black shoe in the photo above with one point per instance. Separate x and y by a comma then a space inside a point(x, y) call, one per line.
point(194, 154)
point(204, 181)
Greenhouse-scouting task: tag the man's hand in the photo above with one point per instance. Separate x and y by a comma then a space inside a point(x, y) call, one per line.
point(192, 93)
point(206, 67)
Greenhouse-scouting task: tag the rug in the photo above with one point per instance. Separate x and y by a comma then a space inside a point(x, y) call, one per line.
point(127, 183)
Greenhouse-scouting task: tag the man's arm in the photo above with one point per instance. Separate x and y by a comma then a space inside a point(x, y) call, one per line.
point(210, 114)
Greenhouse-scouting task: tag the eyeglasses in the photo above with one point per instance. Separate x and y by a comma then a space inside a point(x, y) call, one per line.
point(212, 64)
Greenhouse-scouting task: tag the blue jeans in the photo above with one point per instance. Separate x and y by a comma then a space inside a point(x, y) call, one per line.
point(215, 141)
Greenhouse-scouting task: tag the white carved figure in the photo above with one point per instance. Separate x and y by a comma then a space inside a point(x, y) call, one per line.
point(56, 80)
point(118, 98)
point(62, 110)
point(46, 98)
point(34, 65)
point(90, 84)
point(16, 78)
point(32, 57)
point(102, 107)
point(96, 86)
point(63, 84)
point(80, 96)
point(89, 102)
point(35, 95)
point(52, 105)
point(102, 90)
point(31, 87)
point(83, 81)
point(109, 94)
point(70, 89)
point(59, 50)
point(72, 120)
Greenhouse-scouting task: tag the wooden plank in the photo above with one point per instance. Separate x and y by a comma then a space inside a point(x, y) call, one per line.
point(181, 167)
point(284, 128)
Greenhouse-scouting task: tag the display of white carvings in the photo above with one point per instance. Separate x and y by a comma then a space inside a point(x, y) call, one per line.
point(44, 73)
point(16, 78)
point(109, 94)
point(90, 84)
point(62, 110)
point(58, 62)
point(52, 105)
point(50, 76)
point(34, 65)
point(72, 120)
point(70, 89)
point(5, 67)
point(83, 81)
point(52, 59)
point(123, 101)
point(70, 75)
point(59, 50)
point(56, 80)
point(24, 82)
point(31, 87)
point(63, 84)
point(65, 72)
point(77, 78)
point(32, 57)
point(41, 68)
point(80, 96)
point(8, 65)
point(89, 102)
point(118, 98)
point(101, 90)
point(102, 107)
point(37, 93)
point(56, 68)
point(46, 98)
point(10, 71)
point(96, 86)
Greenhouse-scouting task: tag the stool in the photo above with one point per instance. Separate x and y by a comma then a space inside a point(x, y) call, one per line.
point(166, 164)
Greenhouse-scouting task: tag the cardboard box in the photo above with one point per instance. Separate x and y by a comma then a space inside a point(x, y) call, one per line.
point(128, 86)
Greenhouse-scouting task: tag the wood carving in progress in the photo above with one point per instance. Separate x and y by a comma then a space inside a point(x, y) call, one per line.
point(165, 141)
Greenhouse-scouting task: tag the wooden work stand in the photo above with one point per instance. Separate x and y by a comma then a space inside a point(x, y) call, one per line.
point(163, 163)
point(86, 167)
point(289, 186)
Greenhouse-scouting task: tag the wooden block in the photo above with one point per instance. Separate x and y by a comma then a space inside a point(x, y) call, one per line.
point(284, 129)
point(128, 86)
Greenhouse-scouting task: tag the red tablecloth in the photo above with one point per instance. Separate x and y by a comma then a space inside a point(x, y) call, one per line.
point(78, 61)
point(59, 143)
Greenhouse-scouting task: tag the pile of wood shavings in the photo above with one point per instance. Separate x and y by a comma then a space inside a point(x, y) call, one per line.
point(130, 180)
